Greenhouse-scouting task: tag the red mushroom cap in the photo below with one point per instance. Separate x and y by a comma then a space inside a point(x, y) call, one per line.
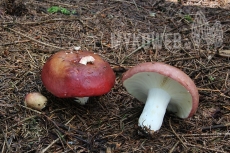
point(170, 72)
point(64, 76)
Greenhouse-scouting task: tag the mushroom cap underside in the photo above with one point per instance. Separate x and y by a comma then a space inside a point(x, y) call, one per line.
point(184, 94)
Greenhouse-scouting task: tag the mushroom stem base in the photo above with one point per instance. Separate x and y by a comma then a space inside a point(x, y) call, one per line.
point(154, 110)
point(81, 100)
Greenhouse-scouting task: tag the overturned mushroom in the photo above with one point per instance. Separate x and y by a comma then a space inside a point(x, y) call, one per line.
point(160, 87)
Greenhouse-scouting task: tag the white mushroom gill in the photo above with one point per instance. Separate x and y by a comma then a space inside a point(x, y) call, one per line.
point(159, 93)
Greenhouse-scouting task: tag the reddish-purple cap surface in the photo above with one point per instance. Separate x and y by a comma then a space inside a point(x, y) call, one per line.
point(64, 76)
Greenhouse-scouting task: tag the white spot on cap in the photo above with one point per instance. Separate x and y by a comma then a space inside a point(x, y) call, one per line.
point(76, 47)
point(87, 59)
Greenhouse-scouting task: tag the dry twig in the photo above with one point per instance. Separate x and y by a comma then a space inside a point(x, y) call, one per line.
point(37, 41)
point(177, 134)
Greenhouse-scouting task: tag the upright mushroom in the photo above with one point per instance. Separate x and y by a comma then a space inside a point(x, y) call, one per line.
point(79, 74)
point(160, 87)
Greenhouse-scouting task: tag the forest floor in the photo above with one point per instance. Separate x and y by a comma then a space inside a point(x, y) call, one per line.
point(194, 37)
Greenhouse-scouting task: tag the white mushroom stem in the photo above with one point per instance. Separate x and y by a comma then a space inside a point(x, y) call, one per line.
point(81, 100)
point(154, 110)
point(87, 59)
